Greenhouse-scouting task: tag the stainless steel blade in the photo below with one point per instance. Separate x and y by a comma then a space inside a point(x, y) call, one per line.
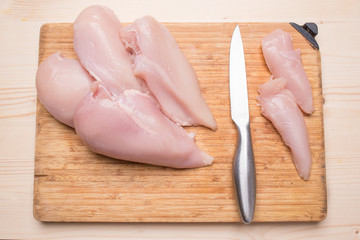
point(238, 84)
point(243, 167)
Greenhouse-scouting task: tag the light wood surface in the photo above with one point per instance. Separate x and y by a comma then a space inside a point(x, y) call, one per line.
point(338, 37)
point(73, 184)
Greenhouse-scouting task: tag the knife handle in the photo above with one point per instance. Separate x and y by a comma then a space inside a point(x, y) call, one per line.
point(244, 173)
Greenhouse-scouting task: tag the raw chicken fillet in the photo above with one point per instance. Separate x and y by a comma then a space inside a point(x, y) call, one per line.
point(61, 83)
point(279, 106)
point(159, 61)
point(283, 61)
point(100, 51)
point(131, 127)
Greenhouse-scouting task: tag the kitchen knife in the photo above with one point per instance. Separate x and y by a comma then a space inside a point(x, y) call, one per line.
point(243, 166)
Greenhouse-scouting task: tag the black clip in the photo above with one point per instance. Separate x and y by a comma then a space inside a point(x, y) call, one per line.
point(309, 31)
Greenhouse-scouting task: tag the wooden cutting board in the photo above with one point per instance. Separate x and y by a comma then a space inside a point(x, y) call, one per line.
point(73, 184)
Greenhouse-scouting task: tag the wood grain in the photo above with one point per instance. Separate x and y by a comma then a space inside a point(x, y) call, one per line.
point(73, 184)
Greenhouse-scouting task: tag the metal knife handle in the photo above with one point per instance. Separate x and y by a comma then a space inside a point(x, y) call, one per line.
point(244, 173)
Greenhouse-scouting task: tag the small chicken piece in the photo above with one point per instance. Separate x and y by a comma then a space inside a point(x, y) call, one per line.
point(283, 61)
point(61, 83)
point(169, 76)
point(100, 50)
point(279, 106)
point(131, 127)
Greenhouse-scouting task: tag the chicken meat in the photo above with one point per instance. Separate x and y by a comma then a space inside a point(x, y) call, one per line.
point(279, 106)
point(100, 50)
point(61, 83)
point(131, 127)
point(283, 61)
point(168, 74)
point(127, 102)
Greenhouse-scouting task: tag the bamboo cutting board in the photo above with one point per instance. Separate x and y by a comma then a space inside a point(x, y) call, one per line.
point(74, 185)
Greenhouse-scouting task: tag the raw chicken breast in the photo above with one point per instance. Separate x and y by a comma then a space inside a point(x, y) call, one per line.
point(131, 127)
point(283, 61)
point(100, 50)
point(279, 106)
point(170, 77)
point(61, 83)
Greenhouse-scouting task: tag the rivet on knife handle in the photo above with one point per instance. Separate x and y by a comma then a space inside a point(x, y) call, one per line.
point(243, 167)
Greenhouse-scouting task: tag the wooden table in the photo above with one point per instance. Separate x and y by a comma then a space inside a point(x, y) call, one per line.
point(339, 24)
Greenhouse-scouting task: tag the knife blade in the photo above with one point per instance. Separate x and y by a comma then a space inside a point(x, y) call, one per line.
point(243, 166)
